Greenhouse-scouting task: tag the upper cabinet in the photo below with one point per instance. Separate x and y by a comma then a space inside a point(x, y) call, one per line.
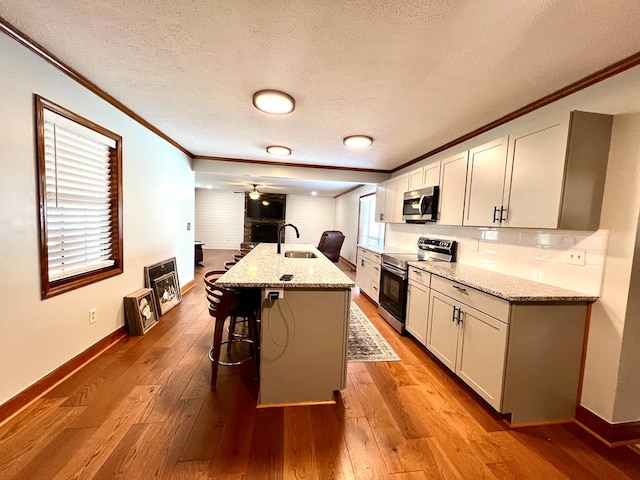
point(389, 197)
point(556, 172)
point(427, 176)
point(485, 181)
point(453, 181)
point(546, 176)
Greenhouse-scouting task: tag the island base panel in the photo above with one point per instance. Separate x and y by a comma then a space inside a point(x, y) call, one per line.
point(303, 341)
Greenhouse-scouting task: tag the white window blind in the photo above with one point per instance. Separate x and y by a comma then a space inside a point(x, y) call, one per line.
point(78, 202)
point(370, 232)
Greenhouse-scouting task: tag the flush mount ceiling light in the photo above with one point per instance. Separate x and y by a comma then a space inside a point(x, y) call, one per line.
point(278, 150)
point(357, 141)
point(255, 193)
point(274, 102)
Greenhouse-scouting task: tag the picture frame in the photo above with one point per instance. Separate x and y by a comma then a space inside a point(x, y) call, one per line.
point(167, 292)
point(140, 311)
point(156, 270)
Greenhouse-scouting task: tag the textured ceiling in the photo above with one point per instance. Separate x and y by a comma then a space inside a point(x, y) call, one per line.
point(412, 74)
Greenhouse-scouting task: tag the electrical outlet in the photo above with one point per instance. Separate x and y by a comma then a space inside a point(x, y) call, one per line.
point(576, 257)
point(269, 294)
point(93, 315)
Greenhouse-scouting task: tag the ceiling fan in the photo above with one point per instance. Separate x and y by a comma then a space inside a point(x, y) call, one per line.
point(254, 193)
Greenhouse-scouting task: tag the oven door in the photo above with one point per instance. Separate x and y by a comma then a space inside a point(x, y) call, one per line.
point(393, 296)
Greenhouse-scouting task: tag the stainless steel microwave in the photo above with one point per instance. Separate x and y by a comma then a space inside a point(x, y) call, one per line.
point(420, 206)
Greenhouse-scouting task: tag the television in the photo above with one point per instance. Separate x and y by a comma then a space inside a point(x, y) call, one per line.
point(268, 206)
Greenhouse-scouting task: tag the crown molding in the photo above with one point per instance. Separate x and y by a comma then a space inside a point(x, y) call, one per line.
point(35, 47)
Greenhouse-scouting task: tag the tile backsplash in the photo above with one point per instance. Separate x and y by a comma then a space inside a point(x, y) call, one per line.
point(553, 257)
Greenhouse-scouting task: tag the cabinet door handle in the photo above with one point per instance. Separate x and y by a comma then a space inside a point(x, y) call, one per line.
point(376, 268)
point(503, 214)
point(460, 289)
point(453, 315)
point(495, 212)
point(459, 319)
point(362, 263)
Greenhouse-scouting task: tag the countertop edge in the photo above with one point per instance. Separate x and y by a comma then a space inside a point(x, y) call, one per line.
point(578, 298)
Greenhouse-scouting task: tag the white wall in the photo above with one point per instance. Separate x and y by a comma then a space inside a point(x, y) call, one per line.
point(311, 215)
point(605, 392)
point(346, 219)
point(219, 218)
point(158, 189)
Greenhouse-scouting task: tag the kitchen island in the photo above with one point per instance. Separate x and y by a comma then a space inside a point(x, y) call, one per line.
point(304, 322)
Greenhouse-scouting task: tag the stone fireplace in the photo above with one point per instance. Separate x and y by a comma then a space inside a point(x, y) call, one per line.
point(258, 230)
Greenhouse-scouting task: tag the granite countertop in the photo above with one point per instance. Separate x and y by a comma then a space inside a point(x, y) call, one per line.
point(507, 287)
point(262, 267)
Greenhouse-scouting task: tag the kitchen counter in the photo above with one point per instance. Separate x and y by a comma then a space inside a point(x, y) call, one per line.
point(507, 287)
point(262, 268)
point(304, 329)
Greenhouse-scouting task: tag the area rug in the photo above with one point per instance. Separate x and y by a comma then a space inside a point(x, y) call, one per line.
point(365, 342)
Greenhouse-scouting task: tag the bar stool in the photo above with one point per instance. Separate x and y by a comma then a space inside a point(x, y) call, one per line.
point(227, 303)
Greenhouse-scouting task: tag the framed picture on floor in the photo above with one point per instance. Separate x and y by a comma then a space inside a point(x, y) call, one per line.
point(157, 270)
point(140, 311)
point(167, 292)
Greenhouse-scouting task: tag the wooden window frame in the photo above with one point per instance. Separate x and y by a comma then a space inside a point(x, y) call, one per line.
point(56, 287)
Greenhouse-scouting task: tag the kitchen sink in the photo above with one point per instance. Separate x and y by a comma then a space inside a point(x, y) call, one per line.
point(299, 254)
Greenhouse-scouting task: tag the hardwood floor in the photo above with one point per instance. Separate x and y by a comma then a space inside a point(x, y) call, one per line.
point(144, 409)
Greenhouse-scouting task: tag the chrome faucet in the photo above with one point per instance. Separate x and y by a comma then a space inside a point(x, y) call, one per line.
point(280, 230)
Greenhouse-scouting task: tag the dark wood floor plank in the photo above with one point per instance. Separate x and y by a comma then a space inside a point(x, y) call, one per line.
point(203, 440)
point(232, 455)
point(397, 452)
point(366, 457)
point(20, 445)
point(54, 456)
point(267, 447)
point(300, 461)
point(332, 455)
point(89, 459)
point(195, 470)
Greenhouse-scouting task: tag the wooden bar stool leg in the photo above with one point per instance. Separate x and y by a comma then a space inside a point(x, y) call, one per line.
point(214, 353)
point(232, 331)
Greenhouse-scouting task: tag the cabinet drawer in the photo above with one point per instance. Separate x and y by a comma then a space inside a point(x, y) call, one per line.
point(474, 298)
point(369, 255)
point(420, 276)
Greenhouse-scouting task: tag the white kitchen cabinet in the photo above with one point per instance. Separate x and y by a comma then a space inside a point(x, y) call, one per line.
point(470, 343)
point(523, 359)
point(381, 193)
point(453, 181)
point(368, 273)
point(485, 183)
point(427, 176)
point(402, 186)
point(549, 175)
point(389, 198)
point(431, 175)
point(418, 304)
point(556, 171)
point(415, 179)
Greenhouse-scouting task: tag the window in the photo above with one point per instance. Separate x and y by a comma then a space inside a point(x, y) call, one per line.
point(80, 188)
point(370, 232)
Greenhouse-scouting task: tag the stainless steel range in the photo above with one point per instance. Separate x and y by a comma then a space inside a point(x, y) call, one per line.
point(393, 278)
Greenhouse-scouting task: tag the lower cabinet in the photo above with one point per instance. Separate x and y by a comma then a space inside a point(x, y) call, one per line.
point(470, 343)
point(368, 273)
point(418, 304)
point(523, 359)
